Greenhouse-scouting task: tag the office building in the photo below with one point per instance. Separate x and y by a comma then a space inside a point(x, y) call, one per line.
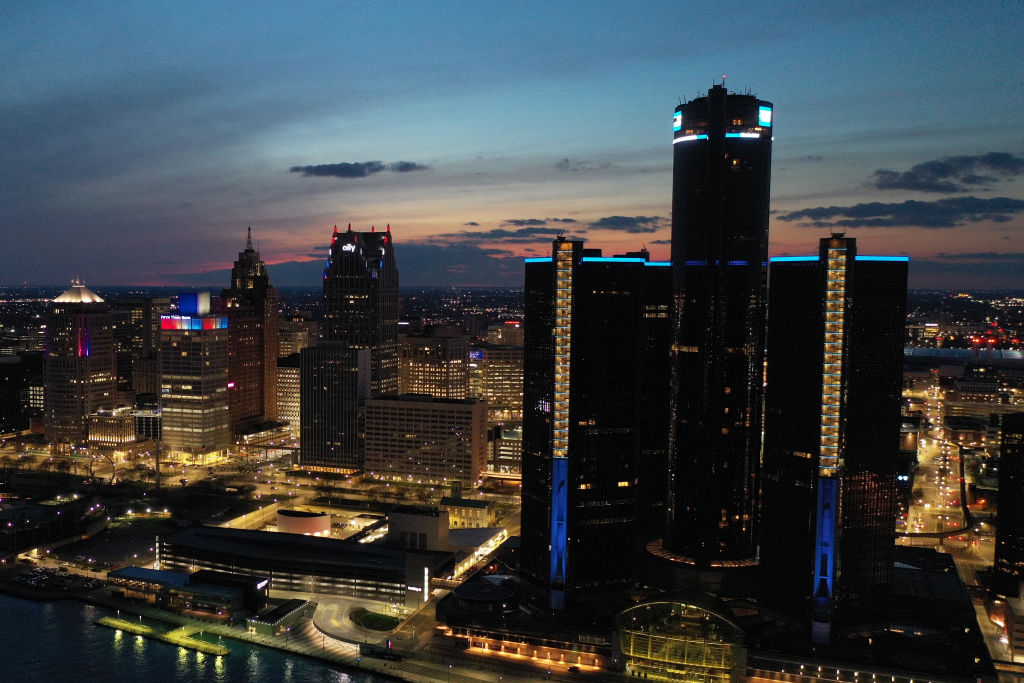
point(832, 429)
point(295, 334)
point(594, 404)
point(434, 364)
point(137, 338)
point(496, 375)
point(251, 307)
point(194, 380)
point(80, 365)
point(1009, 551)
point(722, 168)
point(357, 357)
point(289, 396)
point(507, 333)
point(361, 301)
point(334, 383)
point(426, 440)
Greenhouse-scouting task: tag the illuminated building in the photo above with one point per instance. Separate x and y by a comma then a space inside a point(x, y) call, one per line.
point(137, 337)
point(334, 382)
point(80, 365)
point(508, 333)
point(289, 404)
point(425, 439)
point(495, 374)
point(112, 428)
point(361, 301)
point(594, 401)
point(433, 364)
point(194, 380)
point(1009, 551)
point(832, 429)
point(722, 170)
point(251, 306)
point(294, 335)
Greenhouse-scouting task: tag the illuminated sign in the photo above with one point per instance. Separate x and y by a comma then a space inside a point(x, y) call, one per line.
point(764, 116)
point(262, 584)
point(348, 247)
point(187, 322)
point(476, 355)
point(415, 589)
point(677, 121)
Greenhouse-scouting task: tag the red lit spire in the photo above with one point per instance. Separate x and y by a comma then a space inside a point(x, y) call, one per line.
point(373, 229)
point(350, 227)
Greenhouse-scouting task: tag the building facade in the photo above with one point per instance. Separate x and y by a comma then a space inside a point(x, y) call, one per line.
point(80, 365)
point(722, 170)
point(334, 384)
point(1009, 551)
point(832, 429)
point(251, 305)
point(361, 301)
point(289, 394)
point(434, 364)
point(194, 381)
point(495, 374)
point(426, 440)
point(595, 386)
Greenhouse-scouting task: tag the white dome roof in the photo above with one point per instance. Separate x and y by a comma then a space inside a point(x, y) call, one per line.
point(79, 294)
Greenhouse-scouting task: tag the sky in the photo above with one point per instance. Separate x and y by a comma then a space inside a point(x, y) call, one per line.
point(140, 140)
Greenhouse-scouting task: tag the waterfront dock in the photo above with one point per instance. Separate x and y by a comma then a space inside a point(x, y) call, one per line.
point(180, 636)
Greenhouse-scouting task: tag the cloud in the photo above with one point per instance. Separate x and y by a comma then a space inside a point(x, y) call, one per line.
point(812, 157)
point(406, 166)
point(525, 234)
point(941, 213)
point(566, 164)
point(950, 174)
point(357, 169)
point(474, 223)
point(984, 256)
point(561, 220)
point(661, 241)
point(524, 221)
point(631, 224)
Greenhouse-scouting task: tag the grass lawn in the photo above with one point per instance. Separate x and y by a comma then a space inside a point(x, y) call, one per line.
point(373, 620)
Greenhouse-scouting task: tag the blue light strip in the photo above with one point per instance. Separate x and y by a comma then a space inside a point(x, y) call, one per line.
point(540, 259)
point(743, 135)
point(904, 259)
point(658, 263)
point(612, 259)
point(792, 259)
point(688, 138)
point(737, 263)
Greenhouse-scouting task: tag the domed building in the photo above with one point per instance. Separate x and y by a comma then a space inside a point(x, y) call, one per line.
point(80, 364)
point(680, 640)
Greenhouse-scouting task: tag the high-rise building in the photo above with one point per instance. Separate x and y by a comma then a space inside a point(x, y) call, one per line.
point(507, 333)
point(334, 385)
point(358, 355)
point(289, 403)
point(722, 169)
point(251, 307)
point(434, 364)
point(496, 374)
point(137, 338)
point(361, 301)
point(194, 380)
point(1009, 551)
point(591, 397)
point(426, 440)
point(295, 334)
point(80, 364)
point(832, 429)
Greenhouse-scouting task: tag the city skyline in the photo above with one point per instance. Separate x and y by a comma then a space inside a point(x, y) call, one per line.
point(146, 140)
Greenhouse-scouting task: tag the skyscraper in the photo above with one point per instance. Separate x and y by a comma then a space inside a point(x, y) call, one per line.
point(434, 364)
point(832, 427)
point(80, 364)
point(358, 357)
point(722, 170)
point(361, 301)
point(1009, 551)
point(194, 380)
point(592, 363)
point(251, 307)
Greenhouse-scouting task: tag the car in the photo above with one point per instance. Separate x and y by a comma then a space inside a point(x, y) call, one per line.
point(574, 669)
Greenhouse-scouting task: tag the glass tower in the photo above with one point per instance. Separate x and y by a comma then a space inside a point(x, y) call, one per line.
point(722, 168)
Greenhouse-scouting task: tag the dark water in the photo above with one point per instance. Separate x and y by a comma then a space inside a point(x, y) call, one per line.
point(58, 641)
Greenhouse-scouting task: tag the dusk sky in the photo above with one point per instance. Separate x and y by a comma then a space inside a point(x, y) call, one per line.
point(139, 140)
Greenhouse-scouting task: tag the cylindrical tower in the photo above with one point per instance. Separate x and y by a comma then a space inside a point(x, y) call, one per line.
point(721, 177)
